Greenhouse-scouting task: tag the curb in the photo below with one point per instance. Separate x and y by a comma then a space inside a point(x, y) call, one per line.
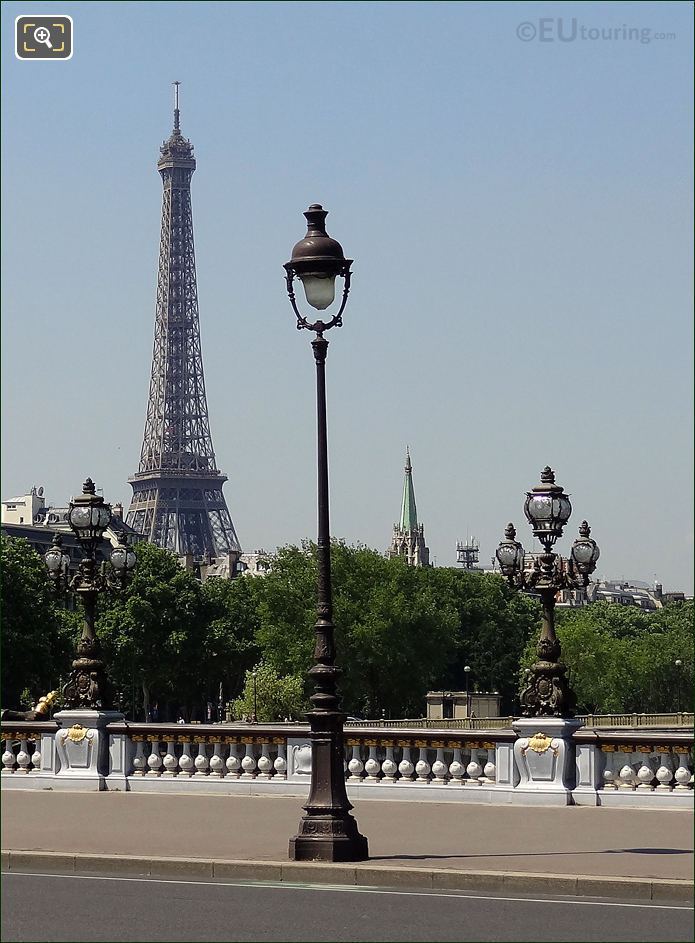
point(362, 874)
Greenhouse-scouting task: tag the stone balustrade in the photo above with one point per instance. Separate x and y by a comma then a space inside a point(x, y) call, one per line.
point(613, 767)
point(25, 746)
point(627, 768)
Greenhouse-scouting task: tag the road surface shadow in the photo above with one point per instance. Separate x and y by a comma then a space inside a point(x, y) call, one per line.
point(541, 854)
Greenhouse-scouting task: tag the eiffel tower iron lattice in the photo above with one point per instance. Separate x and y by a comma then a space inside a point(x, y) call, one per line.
point(177, 491)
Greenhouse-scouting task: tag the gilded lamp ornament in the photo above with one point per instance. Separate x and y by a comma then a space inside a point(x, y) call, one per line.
point(546, 691)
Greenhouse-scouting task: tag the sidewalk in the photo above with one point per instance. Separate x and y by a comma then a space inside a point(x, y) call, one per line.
point(425, 844)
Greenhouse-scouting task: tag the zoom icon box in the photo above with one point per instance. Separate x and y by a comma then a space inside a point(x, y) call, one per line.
point(43, 37)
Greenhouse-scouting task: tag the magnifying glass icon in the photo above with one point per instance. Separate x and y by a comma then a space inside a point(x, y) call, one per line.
point(43, 35)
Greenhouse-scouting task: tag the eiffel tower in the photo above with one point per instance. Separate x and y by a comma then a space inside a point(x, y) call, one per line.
point(177, 490)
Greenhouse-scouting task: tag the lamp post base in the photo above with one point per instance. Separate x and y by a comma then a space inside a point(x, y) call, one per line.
point(328, 838)
point(327, 832)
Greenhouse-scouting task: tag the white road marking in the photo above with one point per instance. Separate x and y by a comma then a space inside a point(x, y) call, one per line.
point(348, 888)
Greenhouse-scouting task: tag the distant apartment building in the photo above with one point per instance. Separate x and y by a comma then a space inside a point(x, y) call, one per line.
point(29, 516)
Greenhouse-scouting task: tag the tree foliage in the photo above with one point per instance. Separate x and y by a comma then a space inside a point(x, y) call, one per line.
point(153, 633)
point(400, 631)
point(623, 659)
point(271, 696)
point(38, 634)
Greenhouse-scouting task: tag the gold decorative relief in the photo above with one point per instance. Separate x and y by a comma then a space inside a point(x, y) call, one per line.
point(539, 743)
point(76, 733)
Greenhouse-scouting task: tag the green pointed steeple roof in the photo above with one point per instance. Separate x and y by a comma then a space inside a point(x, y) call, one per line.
point(408, 520)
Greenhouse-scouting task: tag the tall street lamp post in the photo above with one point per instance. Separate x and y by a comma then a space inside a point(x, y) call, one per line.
point(327, 832)
point(254, 719)
point(88, 688)
point(547, 692)
point(679, 664)
point(467, 671)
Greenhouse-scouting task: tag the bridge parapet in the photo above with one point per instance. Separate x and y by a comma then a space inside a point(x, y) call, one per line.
point(630, 768)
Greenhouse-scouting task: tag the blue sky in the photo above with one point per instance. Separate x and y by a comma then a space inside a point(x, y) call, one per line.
point(518, 211)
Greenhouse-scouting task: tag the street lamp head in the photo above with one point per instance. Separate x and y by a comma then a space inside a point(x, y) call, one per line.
point(510, 553)
point(57, 561)
point(585, 551)
point(467, 668)
point(317, 260)
point(678, 662)
point(547, 508)
point(89, 515)
point(123, 557)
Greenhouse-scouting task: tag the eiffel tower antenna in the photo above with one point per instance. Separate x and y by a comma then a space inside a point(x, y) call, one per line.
point(176, 106)
point(177, 490)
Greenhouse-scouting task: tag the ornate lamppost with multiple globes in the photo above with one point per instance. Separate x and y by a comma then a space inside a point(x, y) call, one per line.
point(327, 832)
point(88, 688)
point(547, 692)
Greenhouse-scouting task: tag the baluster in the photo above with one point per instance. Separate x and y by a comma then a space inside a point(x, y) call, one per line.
point(154, 760)
point(405, 767)
point(248, 762)
point(280, 763)
point(36, 755)
point(8, 757)
point(389, 767)
point(664, 773)
point(171, 763)
point(233, 763)
point(490, 768)
point(186, 761)
point(456, 770)
point(682, 774)
point(23, 758)
point(626, 774)
point(217, 767)
point(265, 764)
point(356, 766)
point(422, 767)
point(439, 768)
point(139, 761)
point(610, 766)
point(645, 774)
point(372, 767)
point(474, 769)
point(201, 761)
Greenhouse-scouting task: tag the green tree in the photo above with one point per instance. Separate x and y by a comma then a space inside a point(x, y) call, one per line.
point(623, 659)
point(400, 631)
point(229, 641)
point(38, 634)
point(495, 623)
point(153, 632)
point(276, 696)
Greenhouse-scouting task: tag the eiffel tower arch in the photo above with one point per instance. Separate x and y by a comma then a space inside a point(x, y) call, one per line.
point(177, 490)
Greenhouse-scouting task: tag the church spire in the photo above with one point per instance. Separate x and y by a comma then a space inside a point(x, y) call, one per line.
point(408, 541)
point(408, 520)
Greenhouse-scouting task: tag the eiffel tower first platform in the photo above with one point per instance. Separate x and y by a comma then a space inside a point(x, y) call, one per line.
point(177, 491)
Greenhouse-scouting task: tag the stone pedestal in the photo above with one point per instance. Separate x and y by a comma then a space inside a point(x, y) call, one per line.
point(82, 759)
point(545, 759)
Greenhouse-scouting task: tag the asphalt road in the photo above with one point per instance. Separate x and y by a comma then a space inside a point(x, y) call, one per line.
point(38, 908)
